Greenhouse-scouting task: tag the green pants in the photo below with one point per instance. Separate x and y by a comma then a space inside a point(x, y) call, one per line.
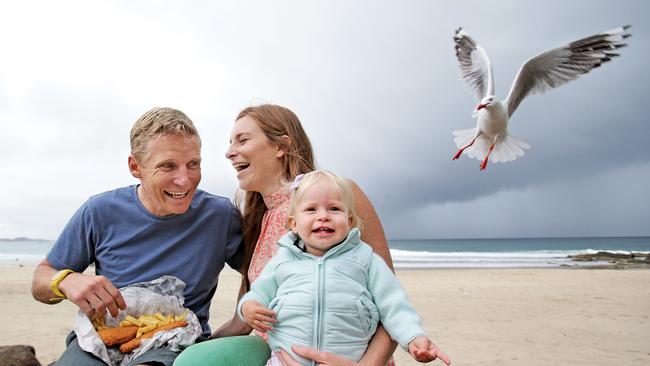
point(228, 351)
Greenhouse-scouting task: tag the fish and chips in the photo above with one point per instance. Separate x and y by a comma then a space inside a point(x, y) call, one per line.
point(132, 330)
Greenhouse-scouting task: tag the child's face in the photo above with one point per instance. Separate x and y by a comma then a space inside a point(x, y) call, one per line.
point(321, 219)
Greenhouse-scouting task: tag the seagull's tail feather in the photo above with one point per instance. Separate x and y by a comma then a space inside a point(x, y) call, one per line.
point(463, 137)
point(507, 149)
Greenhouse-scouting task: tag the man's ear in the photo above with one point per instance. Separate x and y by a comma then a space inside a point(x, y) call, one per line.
point(134, 167)
point(283, 148)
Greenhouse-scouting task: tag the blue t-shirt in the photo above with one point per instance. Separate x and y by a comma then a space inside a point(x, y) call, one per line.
point(128, 244)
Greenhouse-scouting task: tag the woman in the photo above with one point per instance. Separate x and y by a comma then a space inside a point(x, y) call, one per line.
point(268, 148)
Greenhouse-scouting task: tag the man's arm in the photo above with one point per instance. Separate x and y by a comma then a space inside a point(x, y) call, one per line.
point(41, 290)
point(92, 294)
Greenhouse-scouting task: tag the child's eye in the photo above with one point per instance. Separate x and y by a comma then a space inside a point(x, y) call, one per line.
point(335, 209)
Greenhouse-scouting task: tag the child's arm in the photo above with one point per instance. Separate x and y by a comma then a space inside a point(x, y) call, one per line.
point(423, 350)
point(263, 290)
point(258, 316)
point(397, 314)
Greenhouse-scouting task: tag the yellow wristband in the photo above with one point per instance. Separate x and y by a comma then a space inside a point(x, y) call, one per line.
point(56, 280)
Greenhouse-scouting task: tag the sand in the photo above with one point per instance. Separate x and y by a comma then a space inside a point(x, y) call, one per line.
point(478, 317)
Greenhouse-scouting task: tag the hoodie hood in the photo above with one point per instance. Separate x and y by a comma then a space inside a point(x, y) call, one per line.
point(294, 243)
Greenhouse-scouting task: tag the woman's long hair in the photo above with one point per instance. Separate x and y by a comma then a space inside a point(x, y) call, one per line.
point(276, 121)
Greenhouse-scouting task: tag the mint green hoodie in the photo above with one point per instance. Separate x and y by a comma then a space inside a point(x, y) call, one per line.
point(332, 303)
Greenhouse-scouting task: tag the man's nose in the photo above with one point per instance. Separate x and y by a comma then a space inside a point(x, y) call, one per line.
point(182, 177)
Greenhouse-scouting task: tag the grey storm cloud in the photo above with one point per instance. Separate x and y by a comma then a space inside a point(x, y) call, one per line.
point(377, 87)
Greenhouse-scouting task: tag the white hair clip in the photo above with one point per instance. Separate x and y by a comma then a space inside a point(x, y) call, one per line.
point(296, 181)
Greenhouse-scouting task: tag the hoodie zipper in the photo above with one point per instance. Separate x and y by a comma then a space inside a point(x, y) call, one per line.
point(319, 305)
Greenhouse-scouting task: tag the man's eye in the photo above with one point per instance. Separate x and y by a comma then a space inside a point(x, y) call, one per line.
point(194, 165)
point(168, 166)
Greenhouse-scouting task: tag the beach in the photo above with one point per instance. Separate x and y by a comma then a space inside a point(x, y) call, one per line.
point(514, 316)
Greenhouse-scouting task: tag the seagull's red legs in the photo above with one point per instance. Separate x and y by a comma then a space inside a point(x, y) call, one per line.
point(461, 150)
point(485, 161)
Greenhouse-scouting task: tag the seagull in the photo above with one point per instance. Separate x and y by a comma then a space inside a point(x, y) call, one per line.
point(490, 139)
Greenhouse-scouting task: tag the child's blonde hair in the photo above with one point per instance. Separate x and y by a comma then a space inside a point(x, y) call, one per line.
point(305, 181)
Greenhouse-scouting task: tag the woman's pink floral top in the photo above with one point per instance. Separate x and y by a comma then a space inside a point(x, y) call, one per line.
point(273, 227)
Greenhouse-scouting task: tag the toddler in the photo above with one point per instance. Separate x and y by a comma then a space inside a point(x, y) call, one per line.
point(325, 288)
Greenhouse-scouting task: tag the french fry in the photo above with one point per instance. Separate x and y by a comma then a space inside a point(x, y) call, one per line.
point(168, 319)
point(146, 329)
point(181, 317)
point(148, 319)
point(132, 321)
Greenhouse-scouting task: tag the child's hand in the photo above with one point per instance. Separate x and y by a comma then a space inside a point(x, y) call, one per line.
point(423, 350)
point(257, 316)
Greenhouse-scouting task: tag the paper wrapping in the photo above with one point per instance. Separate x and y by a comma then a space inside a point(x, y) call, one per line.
point(163, 295)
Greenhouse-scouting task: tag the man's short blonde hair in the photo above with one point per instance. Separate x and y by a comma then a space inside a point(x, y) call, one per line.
point(342, 186)
point(159, 121)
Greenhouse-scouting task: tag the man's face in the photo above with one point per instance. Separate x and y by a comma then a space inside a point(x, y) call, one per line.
point(169, 174)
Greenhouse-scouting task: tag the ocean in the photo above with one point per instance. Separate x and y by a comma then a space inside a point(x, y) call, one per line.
point(436, 253)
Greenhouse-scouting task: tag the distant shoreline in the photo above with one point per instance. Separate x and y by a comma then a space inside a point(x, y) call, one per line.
point(24, 239)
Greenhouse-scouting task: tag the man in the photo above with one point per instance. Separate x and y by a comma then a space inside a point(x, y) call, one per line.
point(163, 226)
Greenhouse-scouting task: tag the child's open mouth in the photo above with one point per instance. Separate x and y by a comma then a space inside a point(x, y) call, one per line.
point(323, 230)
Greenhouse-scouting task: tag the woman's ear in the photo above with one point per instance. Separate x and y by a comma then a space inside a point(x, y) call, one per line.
point(283, 148)
point(134, 167)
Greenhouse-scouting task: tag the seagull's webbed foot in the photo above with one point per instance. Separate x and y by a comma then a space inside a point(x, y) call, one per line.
point(487, 157)
point(463, 148)
point(484, 164)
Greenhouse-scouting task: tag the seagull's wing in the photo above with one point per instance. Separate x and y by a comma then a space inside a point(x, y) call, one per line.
point(475, 66)
point(560, 65)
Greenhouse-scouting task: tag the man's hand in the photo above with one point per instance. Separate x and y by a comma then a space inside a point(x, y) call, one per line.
point(423, 350)
point(321, 358)
point(92, 294)
point(257, 316)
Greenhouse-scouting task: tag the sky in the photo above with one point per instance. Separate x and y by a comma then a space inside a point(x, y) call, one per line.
point(376, 85)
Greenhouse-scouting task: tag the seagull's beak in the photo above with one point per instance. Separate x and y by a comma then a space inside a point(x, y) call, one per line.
point(481, 106)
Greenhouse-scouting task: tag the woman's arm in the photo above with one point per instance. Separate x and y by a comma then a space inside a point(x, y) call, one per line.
point(376, 353)
point(381, 346)
point(235, 326)
point(373, 231)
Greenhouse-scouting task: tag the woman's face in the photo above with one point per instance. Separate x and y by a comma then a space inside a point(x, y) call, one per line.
point(257, 160)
